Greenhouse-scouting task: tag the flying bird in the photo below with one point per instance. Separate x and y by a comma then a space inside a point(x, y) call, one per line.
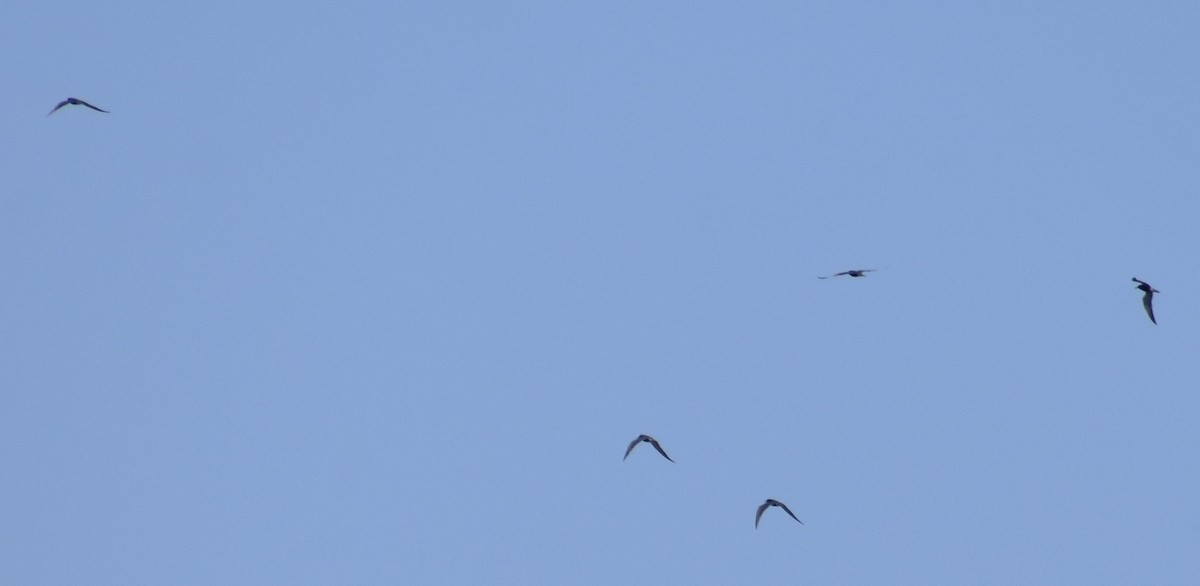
point(645, 438)
point(853, 273)
point(76, 102)
point(1147, 298)
point(773, 503)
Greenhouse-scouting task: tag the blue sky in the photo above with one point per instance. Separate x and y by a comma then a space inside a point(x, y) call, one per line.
point(375, 293)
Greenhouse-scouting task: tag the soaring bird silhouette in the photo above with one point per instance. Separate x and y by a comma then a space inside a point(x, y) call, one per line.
point(773, 503)
point(645, 438)
point(853, 273)
point(76, 102)
point(1148, 298)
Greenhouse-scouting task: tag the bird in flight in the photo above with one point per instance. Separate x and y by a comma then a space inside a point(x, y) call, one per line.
point(645, 438)
point(76, 102)
point(1147, 298)
point(772, 502)
point(853, 273)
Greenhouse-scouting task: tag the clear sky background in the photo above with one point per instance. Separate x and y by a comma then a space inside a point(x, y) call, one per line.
point(378, 293)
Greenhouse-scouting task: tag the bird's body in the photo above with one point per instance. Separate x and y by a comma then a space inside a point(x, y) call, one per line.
point(852, 273)
point(649, 440)
point(1147, 298)
point(76, 102)
point(773, 503)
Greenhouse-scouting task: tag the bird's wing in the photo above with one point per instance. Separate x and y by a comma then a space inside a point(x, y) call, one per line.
point(654, 443)
point(1146, 302)
point(632, 445)
point(758, 515)
point(60, 104)
point(91, 106)
point(789, 511)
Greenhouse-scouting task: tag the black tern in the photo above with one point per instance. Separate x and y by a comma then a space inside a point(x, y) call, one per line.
point(1147, 298)
point(853, 273)
point(76, 102)
point(773, 503)
point(646, 438)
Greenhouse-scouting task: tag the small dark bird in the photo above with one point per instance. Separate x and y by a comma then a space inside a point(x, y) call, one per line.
point(854, 273)
point(773, 503)
point(646, 438)
point(1148, 298)
point(76, 102)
